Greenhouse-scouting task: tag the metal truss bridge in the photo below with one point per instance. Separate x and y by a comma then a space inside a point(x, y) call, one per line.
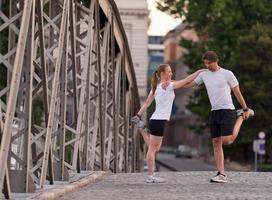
point(67, 93)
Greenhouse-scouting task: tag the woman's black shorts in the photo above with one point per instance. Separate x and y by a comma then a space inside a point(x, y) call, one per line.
point(222, 122)
point(156, 127)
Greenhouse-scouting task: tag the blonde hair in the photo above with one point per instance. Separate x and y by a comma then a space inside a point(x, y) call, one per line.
point(156, 76)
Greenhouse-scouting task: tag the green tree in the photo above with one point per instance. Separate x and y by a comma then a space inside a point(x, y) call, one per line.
point(241, 33)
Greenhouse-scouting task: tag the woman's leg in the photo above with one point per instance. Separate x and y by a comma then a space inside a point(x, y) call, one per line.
point(146, 136)
point(154, 146)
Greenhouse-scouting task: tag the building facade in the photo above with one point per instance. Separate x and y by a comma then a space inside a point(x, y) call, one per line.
point(135, 18)
point(155, 54)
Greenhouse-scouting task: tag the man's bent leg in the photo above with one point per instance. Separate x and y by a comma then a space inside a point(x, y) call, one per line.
point(227, 140)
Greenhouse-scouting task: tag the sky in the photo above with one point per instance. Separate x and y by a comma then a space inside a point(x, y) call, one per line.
point(161, 23)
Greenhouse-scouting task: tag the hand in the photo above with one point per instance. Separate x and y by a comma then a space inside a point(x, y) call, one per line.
point(245, 115)
point(165, 84)
point(135, 119)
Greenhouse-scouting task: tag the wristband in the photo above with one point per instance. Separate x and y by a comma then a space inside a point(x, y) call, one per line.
point(138, 116)
point(245, 109)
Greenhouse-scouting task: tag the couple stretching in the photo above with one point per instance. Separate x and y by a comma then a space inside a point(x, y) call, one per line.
point(224, 121)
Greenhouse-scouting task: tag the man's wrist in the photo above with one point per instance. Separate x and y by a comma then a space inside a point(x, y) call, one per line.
point(245, 109)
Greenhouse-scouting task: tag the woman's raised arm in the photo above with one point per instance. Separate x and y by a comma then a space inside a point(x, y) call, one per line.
point(181, 83)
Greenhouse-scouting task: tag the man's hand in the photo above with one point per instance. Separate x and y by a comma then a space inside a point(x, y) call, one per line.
point(246, 115)
point(165, 84)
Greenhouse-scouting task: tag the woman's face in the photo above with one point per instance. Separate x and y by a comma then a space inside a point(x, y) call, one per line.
point(167, 74)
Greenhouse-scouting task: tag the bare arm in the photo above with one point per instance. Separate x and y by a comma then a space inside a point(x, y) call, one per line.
point(146, 104)
point(239, 96)
point(240, 99)
point(190, 84)
point(187, 80)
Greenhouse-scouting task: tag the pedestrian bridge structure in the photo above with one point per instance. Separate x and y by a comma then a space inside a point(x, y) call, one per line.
point(67, 92)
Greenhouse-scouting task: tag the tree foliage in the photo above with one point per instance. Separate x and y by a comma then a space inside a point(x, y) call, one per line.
point(241, 33)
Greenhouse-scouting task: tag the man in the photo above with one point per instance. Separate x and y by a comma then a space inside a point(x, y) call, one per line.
point(224, 121)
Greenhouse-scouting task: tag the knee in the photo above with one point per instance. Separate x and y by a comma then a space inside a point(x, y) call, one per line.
point(156, 149)
point(228, 141)
point(217, 142)
point(152, 149)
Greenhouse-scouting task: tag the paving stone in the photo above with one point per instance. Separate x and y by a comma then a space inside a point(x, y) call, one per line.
point(179, 185)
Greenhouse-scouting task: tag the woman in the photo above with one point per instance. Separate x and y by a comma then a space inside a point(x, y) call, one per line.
point(164, 100)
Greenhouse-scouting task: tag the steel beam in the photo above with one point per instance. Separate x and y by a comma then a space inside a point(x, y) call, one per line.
point(15, 80)
point(76, 61)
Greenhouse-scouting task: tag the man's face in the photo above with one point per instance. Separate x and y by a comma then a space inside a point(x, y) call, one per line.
point(210, 64)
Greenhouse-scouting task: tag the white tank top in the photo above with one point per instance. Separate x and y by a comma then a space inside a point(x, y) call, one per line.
point(164, 101)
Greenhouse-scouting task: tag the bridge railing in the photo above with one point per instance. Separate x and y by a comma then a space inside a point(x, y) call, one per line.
point(68, 93)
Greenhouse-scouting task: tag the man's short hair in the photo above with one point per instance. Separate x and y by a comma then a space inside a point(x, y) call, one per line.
point(210, 56)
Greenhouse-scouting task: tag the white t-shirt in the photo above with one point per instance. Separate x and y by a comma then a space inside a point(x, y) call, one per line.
point(164, 102)
point(218, 85)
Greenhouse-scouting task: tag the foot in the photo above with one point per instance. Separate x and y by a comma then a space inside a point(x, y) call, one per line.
point(240, 112)
point(138, 122)
point(154, 179)
point(219, 178)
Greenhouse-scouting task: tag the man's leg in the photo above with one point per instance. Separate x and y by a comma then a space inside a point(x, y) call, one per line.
point(215, 129)
point(218, 154)
point(227, 140)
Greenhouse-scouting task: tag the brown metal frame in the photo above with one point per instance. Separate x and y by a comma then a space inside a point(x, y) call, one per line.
point(77, 60)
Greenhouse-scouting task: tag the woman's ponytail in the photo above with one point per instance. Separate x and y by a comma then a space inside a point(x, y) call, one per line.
point(154, 81)
point(156, 76)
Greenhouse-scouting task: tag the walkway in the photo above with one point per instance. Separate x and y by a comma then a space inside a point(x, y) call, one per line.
point(180, 185)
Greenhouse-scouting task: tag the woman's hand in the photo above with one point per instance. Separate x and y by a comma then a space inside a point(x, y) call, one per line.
point(135, 119)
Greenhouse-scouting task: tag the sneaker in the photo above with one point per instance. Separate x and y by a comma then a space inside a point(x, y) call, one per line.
point(138, 122)
point(154, 179)
point(219, 178)
point(135, 119)
point(141, 124)
point(240, 112)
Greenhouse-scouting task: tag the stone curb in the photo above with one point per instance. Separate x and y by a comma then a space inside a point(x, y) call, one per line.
point(55, 193)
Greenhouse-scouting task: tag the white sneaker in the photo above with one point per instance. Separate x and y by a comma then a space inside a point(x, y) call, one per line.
point(141, 124)
point(154, 179)
point(138, 122)
point(219, 178)
point(135, 119)
point(240, 112)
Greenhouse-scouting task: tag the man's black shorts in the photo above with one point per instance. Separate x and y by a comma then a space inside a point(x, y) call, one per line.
point(156, 127)
point(222, 122)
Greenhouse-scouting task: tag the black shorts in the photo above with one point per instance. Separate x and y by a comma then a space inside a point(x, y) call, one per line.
point(222, 122)
point(156, 127)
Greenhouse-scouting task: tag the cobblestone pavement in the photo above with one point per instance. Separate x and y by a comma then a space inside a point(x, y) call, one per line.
point(179, 185)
